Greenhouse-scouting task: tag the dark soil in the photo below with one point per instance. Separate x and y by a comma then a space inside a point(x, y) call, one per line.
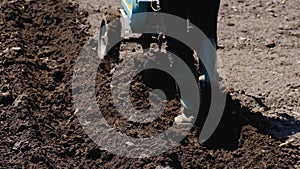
point(39, 44)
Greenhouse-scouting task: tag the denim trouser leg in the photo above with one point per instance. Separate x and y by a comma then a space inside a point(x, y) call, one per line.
point(207, 54)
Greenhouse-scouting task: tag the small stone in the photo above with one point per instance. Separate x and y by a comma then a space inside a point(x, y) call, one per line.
point(220, 46)
point(16, 48)
point(242, 38)
point(17, 145)
point(230, 24)
point(270, 44)
point(128, 143)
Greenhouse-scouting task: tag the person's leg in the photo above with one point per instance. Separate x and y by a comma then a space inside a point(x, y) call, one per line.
point(205, 17)
point(181, 51)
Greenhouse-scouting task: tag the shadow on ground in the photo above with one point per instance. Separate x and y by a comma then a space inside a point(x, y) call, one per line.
point(235, 116)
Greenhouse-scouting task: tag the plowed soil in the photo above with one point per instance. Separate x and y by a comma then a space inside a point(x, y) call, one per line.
point(258, 61)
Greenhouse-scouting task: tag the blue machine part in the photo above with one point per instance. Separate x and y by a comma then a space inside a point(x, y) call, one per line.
point(128, 7)
point(136, 6)
point(132, 7)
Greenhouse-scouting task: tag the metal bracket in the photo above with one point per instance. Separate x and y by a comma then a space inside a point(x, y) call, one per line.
point(126, 31)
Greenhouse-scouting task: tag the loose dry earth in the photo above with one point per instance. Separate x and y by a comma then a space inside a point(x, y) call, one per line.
point(258, 62)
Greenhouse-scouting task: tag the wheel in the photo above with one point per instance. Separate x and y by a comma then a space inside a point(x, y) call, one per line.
point(110, 31)
point(103, 40)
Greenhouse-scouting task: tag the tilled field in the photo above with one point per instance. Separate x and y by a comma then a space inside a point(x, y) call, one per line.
point(39, 44)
